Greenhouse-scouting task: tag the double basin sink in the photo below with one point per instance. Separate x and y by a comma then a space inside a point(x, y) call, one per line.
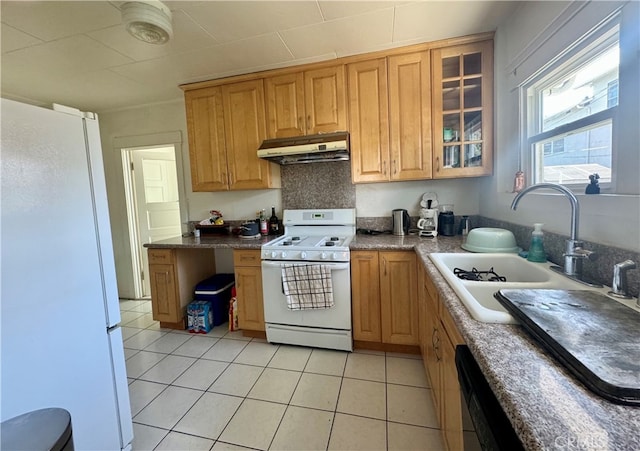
point(478, 296)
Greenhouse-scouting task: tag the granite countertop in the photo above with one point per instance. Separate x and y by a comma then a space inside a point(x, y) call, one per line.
point(210, 241)
point(547, 406)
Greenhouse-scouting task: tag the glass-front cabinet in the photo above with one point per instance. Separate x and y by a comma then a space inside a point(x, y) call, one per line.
point(463, 110)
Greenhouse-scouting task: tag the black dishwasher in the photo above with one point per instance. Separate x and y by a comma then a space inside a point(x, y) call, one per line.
point(492, 426)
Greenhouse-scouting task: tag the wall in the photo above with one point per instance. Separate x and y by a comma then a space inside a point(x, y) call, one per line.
point(149, 120)
point(371, 200)
point(607, 219)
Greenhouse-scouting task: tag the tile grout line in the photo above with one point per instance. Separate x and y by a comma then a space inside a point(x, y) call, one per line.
point(290, 397)
point(335, 411)
point(386, 401)
point(244, 398)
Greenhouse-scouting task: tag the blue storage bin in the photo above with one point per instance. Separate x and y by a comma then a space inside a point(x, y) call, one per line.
point(217, 291)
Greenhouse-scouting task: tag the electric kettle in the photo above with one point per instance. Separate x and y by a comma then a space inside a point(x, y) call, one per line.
point(401, 220)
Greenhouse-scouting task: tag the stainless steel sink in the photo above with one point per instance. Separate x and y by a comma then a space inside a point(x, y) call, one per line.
point(477, 296)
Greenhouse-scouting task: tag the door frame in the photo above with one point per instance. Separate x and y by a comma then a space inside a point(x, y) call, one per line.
point(125, 145)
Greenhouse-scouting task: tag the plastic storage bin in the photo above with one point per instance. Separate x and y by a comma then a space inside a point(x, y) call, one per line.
point(210, 307)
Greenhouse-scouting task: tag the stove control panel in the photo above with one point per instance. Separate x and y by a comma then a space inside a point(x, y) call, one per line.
point(308, 255)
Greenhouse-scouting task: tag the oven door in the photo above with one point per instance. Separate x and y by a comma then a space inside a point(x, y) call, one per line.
point(275, 303)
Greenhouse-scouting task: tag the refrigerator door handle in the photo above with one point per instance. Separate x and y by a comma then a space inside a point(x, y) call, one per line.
point(121, 386)
point(102, 221)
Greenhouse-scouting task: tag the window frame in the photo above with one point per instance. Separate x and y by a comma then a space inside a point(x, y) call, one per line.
point(587, 47)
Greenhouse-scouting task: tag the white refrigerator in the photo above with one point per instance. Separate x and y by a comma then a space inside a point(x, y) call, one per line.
point(61, 343)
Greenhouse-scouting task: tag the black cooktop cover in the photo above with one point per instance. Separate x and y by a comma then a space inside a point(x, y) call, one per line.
point(595, 337)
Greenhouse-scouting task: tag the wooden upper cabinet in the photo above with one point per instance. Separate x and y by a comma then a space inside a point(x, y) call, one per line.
point(410, 116)
point(306, 103)
point(369, 120)
point(245, 129)
point(285, 105)
point(205, 126)
point(463, 110)
point(325, 97)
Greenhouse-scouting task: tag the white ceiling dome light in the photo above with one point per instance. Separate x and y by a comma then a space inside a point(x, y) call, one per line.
point(148, 21)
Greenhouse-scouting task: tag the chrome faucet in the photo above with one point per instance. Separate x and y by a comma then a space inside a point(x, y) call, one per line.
point(619, 286)
point(574, 252)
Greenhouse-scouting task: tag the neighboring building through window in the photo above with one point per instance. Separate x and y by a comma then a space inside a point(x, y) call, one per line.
point(571, 112)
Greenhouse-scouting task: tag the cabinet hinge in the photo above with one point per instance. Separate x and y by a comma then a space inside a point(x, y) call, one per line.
point(141, 275)
point(131, 165)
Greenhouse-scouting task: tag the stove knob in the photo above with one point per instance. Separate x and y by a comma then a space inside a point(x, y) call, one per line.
point(334, 256)
point(323, 255)
point(303, 255)
point(284, 254)
point(273, 254)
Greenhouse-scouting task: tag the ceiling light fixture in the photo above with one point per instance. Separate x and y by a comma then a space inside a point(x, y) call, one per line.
point(148, 21)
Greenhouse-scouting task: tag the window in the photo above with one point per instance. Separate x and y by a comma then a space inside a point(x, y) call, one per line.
point(571, 109)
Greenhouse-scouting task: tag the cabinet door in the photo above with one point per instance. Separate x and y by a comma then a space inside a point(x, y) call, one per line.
point(325, 100)
point(423, 329)
point(164, 293)
point(451, 408)
point(249, 295)
point(245, 130)
point(285, 105)
point(433, 350)
point(398, 292)
point(365, 296)
point(462, 110)
point(369, 120)
point(410, 116)
point(205, 126)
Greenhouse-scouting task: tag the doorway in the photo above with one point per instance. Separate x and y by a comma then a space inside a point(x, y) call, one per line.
point(153, 204)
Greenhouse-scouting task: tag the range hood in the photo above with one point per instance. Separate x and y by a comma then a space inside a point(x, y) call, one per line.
point(306, 149)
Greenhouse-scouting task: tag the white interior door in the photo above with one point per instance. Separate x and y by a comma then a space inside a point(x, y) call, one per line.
point(157, 200)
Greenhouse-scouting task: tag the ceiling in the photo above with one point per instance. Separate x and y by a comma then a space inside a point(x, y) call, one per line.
point(78, 53)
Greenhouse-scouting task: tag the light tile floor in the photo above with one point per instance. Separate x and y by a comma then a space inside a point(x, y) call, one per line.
point(223, 391)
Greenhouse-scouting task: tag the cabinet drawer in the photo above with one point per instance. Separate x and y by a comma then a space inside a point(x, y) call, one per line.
point(160, 256)
point(246, 258)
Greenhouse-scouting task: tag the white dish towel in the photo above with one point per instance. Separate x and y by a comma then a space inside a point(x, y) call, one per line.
point(307, 287)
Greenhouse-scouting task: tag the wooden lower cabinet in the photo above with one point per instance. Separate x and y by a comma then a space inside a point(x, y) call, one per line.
point(248, 274)
point(399, 294)
point(365, 296)
point(174, 273)
point(384, 297)
point(439, 339)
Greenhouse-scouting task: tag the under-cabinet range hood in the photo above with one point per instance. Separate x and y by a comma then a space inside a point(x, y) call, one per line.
point(306, 149)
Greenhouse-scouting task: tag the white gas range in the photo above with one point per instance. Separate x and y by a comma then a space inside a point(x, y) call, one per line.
point(316, 240)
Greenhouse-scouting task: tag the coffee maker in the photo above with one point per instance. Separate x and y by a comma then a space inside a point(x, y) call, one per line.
point(428, 222)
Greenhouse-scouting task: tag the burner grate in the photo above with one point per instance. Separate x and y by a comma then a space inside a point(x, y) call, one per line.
point(480, 276)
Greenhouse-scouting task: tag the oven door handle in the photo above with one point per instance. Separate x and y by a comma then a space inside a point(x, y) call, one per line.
point(332, 266)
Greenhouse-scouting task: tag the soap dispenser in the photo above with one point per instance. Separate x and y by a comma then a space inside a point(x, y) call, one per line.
point(536, 248)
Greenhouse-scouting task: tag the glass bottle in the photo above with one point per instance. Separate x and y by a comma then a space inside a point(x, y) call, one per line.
point(274, 223)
